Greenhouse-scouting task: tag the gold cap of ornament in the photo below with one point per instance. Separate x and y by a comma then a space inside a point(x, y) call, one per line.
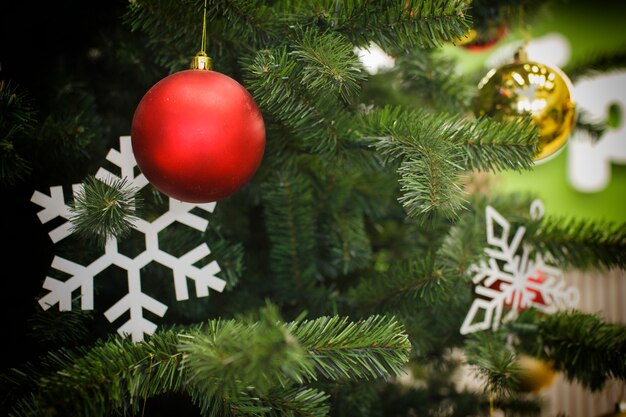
point(201, 61)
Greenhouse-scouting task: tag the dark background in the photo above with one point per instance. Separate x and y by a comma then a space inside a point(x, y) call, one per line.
point(45, 46)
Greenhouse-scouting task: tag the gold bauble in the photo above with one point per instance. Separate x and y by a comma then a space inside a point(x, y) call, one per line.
point(467, 38)
point(526, 87)
point(535, 374)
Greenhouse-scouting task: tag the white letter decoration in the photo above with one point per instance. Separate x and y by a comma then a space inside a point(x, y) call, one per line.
point(81, 277)
point(512, 280)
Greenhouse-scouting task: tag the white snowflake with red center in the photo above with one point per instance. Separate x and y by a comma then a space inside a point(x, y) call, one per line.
point(81, 277)
point(512, 280)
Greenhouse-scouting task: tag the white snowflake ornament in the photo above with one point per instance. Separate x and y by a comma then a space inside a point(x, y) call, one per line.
point(81, 277)
point(512, 281)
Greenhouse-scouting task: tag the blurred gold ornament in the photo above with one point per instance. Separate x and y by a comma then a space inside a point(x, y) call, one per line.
point(535, 374)
point(526, 87)
point(467, 38)
point(618, 411)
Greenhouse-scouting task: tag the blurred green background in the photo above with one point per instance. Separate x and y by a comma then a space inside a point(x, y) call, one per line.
point(592, 29)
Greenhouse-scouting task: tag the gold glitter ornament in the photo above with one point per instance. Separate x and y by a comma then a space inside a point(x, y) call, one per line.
point(525, 87)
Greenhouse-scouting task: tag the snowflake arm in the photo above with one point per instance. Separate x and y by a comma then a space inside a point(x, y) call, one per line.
point(512, 281)
point(135, 301)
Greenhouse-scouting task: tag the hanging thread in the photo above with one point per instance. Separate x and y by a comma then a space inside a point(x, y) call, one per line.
point(201, 60)
point(203, 43)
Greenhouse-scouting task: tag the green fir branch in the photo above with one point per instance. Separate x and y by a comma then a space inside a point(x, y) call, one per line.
point(485, 144)
point(403, 25)
point(274, 81)
point(340, 349)
point(584, 123)
point(174, 28)
point(17, 122)
point(307, 402)
point(434, 79)
point(581, 345)
point(104, 209)
point(580, 243)
point(58, 327)
point(289, 221)
point(595, 63)
point(462, 244)
point(348, 243)
point(211, 363)
point(434, 151)
point(430, 183)
point(423, 280)
point(217, 365)
point(429, 165)
point(495, 146)
point(112, 375)
point(329, 65)
point(74, 125)
point(495, 362)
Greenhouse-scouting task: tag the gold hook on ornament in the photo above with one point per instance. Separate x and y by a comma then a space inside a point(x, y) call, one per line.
point(201, 60)
point(521, 55)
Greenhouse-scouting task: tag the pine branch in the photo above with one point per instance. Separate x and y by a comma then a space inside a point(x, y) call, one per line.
point(593, 128)
point(340, 349)
point(581, 243)
point(403, 25)
point(584, 347)
point(429, 167)
point(596, 63)
point(17, 121)
point(114, 374)
point(344, 240)
point(435, 150)
point(289, 218)
point(494, 361)
point(307, 402)
point(217, 365)
point(425, 281)
point(460, 248)
point(430, 183)
point(495, 146)
point(174, 28)
point(329, 65)
point(434, 79)
point(230, 256)
point(104, 210)
point(274, 81)
point(53, 326)
point(74, 125)
point(486, 144)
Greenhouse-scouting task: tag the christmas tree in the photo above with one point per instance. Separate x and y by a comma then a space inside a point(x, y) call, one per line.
point(350, 272)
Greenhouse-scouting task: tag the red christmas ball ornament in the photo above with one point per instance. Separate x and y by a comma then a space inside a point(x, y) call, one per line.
point(482, 42)
point(198, 135)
